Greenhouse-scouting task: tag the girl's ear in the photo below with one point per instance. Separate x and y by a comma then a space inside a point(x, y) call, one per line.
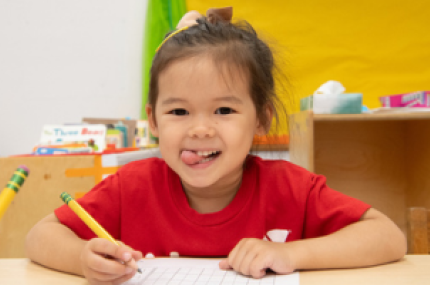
point(264, 129)
point(151, 120)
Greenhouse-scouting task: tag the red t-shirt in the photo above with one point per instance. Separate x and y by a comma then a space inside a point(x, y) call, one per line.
point(144, 206)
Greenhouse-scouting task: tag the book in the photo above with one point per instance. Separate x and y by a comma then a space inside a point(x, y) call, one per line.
point(130, 130)
point(114, 138)
point(93, 136)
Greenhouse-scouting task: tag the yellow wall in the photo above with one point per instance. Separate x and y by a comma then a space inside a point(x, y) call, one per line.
point(375, 47)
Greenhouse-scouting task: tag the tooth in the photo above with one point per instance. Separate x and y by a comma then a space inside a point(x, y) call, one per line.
point(205, 160)
point(200, 153)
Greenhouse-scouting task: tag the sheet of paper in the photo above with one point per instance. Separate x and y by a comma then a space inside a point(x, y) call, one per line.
point(188, 271)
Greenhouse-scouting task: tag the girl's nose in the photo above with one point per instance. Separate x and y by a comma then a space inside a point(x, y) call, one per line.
point(201, 131)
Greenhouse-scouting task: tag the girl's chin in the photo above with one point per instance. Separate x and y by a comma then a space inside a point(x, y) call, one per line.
point(197, 184)
point(203, 182)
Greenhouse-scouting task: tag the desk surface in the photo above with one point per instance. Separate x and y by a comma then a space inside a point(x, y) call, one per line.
point(411, 270)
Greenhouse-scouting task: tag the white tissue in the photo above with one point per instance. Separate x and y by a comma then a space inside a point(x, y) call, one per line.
point(330, 98)
point(330, 87)
point(326, 97)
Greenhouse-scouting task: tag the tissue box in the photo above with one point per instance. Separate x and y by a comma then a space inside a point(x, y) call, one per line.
point(347, 103)
point(415, 99)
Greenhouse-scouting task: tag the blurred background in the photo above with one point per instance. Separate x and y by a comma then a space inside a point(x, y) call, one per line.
point(62, 60)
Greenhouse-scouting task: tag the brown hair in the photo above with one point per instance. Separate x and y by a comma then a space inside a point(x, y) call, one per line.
point(232, 45)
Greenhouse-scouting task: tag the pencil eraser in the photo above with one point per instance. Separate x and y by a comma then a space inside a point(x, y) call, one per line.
point(25, 168)
point(174, 254)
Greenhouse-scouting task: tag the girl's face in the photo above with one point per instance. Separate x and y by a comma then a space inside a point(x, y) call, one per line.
point(205, 121)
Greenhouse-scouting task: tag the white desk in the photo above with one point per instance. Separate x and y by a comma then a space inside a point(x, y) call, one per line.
point(411, 270)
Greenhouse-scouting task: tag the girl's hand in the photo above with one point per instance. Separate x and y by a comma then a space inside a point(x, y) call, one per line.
point(253, 256)
point(100, 261)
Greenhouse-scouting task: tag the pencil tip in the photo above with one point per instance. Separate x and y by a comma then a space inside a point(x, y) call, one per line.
point(139, 270)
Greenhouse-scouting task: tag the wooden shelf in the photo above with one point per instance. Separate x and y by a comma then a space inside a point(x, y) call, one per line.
point(381, 159)
point(372, 117)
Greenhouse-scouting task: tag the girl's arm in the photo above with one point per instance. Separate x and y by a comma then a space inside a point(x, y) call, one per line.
point(375, 239)
point(54, 245)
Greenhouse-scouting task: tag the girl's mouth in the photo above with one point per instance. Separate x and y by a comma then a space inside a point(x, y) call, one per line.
point(191, 157)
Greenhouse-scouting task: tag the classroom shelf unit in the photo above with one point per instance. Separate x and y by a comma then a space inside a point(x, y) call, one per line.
point(382, 159)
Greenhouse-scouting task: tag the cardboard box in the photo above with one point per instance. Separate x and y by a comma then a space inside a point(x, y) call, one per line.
point(414, 99)
point(49, 177)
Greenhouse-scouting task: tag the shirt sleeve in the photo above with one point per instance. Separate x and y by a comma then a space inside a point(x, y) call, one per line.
point(102, 203)
point(328, 211)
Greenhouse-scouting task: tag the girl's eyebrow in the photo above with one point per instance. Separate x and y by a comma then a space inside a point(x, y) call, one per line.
point(231, 99)
point(172, 100)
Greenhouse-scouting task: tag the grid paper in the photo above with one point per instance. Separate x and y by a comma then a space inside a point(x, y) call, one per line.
point(201, 276)
point(191, 271)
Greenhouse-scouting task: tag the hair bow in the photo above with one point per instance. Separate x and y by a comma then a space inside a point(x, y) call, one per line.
point(213, 15)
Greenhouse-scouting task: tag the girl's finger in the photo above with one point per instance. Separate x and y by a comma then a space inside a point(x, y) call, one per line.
point(223, 264)
point(136, 255)
point(232, 255)
point(247, 259)
point(106, 265)
point(103, 277)
point(258, 267)
point(129, 261)
point(237, 256)
point(105, 247)
point(120, 253)
point(122, 279)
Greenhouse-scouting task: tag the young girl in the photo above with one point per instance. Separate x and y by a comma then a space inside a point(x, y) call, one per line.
point(211, 91)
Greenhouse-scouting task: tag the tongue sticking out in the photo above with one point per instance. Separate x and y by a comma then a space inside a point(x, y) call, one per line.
point(190, 157)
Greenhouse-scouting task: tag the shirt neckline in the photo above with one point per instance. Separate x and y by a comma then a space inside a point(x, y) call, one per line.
point(242, 196)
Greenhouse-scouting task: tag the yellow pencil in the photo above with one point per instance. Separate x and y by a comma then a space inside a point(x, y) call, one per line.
point(12, 187)
point(91, 223)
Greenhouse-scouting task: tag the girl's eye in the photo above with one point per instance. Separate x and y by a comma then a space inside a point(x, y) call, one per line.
point(224, 111)
point(179, 112)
